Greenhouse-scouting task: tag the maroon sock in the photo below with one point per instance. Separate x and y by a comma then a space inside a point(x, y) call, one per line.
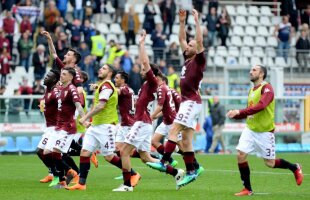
point(189, 158)
point(135, 154)
point(84, 169)
point(59, 165)
point(283, 164)
point(169, 148)
point(170, 170)
point(161, 149)
point(126, 177)
point(116, 161)
point(245, 175)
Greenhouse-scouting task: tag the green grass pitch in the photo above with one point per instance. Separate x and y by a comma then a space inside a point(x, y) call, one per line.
point(19, 179)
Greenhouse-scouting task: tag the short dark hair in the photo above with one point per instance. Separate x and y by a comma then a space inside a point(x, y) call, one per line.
point(155, 69)
point(56, 72)
point(123, 75)
point(165, 79)
point(76, 54)
point(2, 87)
point(112, 69)
point(70, 70)
point(264, 70)
point(84, 76)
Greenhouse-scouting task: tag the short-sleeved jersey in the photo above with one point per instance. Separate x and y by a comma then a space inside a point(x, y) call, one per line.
point(145, 97)
point(50, 106)
point(66, 99)
point(176, 98)
point(191, 75)
point(77, 81)
point(165, 100)
point(126, 105)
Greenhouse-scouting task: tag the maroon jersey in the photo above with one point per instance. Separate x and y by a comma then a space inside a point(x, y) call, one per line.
point(165, 100)
point(50, 106)
point(66, 98)
point(146, 96)
point(176, 98)
point(191, 75)
point(126, 105)
point(77, 81)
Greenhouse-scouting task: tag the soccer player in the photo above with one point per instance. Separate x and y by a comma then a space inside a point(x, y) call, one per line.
point(68, 101)
point(191, 75)
point(166, 107)
point(71, 59)
point(140, 134)
point(126, 106)
point(76, 145)
point(258, 135)
point(48, 105)
point(102, 131)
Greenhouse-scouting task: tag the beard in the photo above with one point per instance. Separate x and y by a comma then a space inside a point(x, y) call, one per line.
point(253, 79)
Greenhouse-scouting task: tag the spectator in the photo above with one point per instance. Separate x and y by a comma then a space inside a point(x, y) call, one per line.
point(5, 57)
point(98, 46)
point(115, 51)
point(39, 38)
point(9, 28)
point(218, 116)
point(213, 4)
point(51, 16)
point(62, 6)
point(149, 21)
point(163, 66)
point(2, 103)
point(284, 30)
point(88, 65)
point(4, 42)
point(25, 89)
point(15, 106)
point(303, 47)
point(159, 45)
point(25, 45)
point(173, 78)
point(205, 37)
point(212, 26)
point(78, 11)
point(224, 21)
point(89, 10)
point(305, 17)
point(198, 5)
point(88, 32)
point(130, 25)
point(83, 50)
point(75, 28)
point(135, 80)
point(126, 62)
point(168, 11)
point(173, 55)
point(37, 89)
point(289, 7)
point(25, 25)
point(7, 4)
point(39, 60)
point(62, 45)
point(119, 6)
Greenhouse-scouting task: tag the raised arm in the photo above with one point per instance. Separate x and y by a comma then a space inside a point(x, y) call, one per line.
point(182, 33)
point(51, 46)
point(199, 38)
point(142, 52)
